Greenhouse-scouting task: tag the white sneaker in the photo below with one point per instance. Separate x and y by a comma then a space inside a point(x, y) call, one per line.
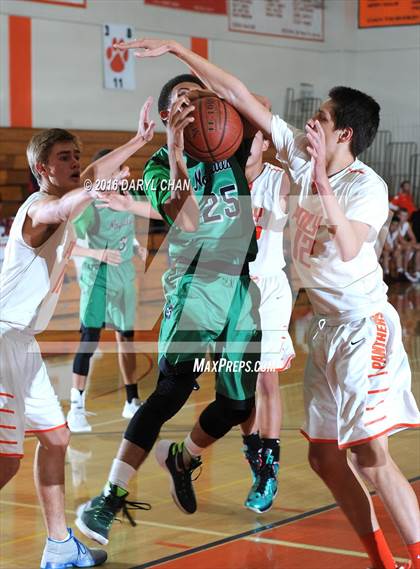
point(77, 422)
point(76, 417)
point(131, 408)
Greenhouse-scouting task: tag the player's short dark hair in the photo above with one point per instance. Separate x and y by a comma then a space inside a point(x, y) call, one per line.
point(395, 219)
point(405, 182)
point(404, 209)
point(358, 111)
point(165, 93)
point(40, 145)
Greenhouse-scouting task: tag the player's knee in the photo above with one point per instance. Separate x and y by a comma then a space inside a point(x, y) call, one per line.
point(55, 441)
point(267, 384)
point(221, 415)
point(321, 462)
point(368, 457)
point(88, 344)
point(124, 337)
point(169, 396)
point(9, 467)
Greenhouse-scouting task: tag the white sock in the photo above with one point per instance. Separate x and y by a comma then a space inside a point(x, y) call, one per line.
point(193, 449)
point(77, 399)
point(120, 474)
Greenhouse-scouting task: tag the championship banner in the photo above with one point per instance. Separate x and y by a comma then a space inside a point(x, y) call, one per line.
point(298, 19)
point(119, 72)
point(207, 6)
point(383, 13)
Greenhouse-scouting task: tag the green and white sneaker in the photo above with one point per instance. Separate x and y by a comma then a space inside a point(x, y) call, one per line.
point(95, 518)
point(264, 490)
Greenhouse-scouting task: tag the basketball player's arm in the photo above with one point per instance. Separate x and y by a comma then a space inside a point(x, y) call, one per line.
point(219, 81)
point(53, 210)
point(348, 235)
point(103, 168)
point(126, 202)
point(109, 256)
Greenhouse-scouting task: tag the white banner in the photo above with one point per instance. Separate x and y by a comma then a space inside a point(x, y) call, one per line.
point(300, 19)
point(118, 65)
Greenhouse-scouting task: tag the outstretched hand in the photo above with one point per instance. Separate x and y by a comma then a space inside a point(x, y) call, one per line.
point(148, 47)
point(115, 201)
point(146, 128)
point(179, 118)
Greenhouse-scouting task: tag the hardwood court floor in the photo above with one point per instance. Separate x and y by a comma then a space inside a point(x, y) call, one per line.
point(303, 529)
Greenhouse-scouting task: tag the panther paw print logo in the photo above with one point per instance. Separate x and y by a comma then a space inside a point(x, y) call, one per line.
point(117, 57)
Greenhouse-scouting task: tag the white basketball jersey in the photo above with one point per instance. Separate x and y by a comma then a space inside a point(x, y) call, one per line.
point(346, 289)
point(31, 278)
point(270, 220)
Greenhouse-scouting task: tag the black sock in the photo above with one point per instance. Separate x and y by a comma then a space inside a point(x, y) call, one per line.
point(274, 446)
point(132, 392)
point(252, 442)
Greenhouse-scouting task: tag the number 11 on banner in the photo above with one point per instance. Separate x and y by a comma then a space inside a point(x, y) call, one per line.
point(118, 65)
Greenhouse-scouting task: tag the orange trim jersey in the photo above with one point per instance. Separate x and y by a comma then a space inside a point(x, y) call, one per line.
point(351, 289)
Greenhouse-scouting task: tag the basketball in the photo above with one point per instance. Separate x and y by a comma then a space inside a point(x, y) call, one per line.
point(216, 132)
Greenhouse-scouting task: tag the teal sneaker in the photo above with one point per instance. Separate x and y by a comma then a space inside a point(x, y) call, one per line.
point(95, 518)
point(70, 553)
point(264, 490)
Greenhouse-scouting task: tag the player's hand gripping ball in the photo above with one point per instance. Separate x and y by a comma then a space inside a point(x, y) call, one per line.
point(216, 132)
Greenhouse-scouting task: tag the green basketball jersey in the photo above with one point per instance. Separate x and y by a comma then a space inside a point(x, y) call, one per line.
point(107, 229)
point(226, 229)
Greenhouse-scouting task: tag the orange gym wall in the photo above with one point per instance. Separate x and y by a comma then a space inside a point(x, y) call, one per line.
point(20, 71)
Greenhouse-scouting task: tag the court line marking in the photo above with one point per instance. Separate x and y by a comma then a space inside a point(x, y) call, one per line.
point(228, 538)
point(188, 529)
point(247, 534)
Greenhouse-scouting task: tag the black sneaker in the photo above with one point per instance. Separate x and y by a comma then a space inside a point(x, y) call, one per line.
point(169, 456)
point(95, 518)
point(254, 460)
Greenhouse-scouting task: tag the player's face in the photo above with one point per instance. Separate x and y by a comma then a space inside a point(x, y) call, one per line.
point(258, 147)
point(184, 89)
point(406, 188)
point(62, 168)
point(403, 215)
